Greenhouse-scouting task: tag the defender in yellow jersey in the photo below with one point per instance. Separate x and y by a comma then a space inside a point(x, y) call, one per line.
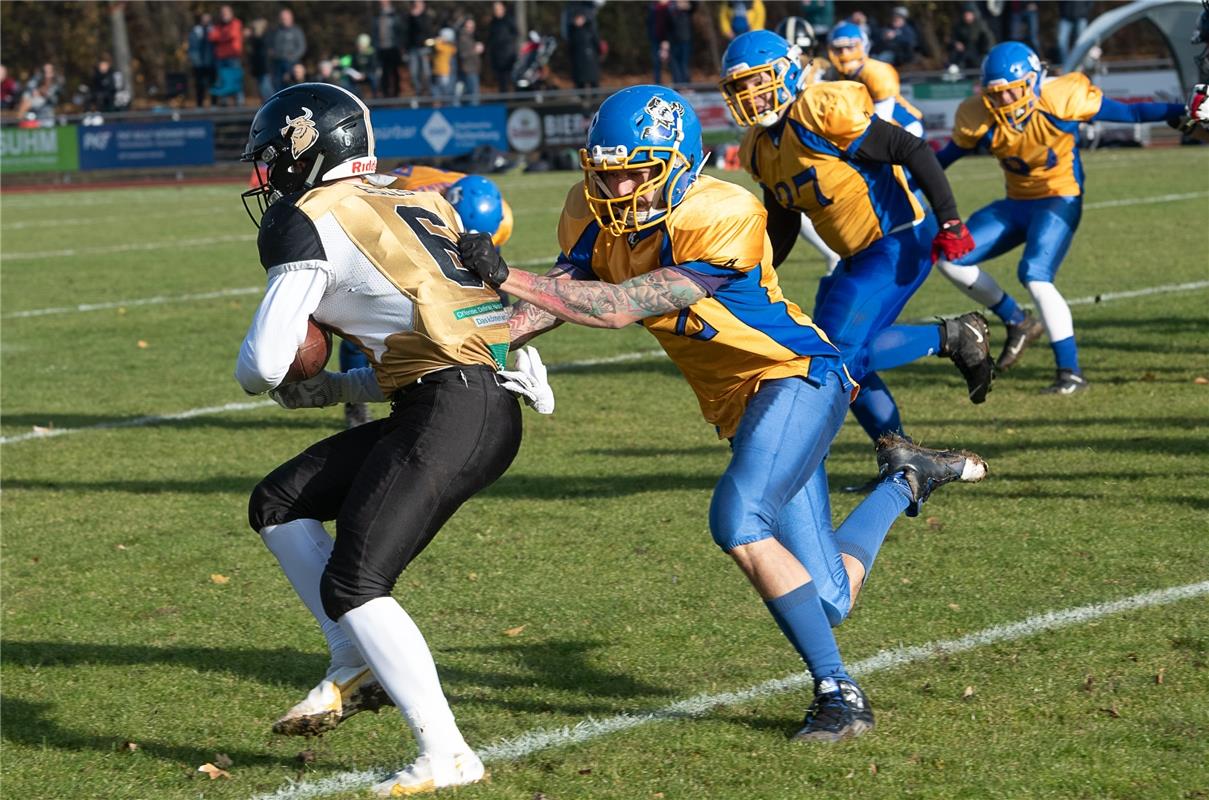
point(848, 49)
point(819, 151)
point(645, 238)
point(381, 268)
point(1032, 127)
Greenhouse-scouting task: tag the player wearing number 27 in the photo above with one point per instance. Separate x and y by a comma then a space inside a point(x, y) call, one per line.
point(379, 267)
point(1032, 127)
point(646, 238)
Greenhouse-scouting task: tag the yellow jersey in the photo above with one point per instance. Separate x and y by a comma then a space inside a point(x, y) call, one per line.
point(417, 308)
point(807, 161)
point(746, 331)
point(1042, 160)
point(881, 79)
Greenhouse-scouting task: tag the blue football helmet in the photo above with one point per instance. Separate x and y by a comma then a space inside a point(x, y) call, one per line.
point(848, 48)
point(479, 205)
point(641, 128)
point(760, 65)
point(1012, 66)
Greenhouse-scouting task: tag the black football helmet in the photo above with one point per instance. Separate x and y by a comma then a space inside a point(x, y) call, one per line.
point(798, 31)
point(307, 134)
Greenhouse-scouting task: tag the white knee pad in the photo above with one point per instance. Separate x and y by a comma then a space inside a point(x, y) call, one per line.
point(976, 284)
point(1055, 313)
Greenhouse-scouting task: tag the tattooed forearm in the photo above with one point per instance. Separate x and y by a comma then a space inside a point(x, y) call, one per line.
point(606, 305)
point(527, 321)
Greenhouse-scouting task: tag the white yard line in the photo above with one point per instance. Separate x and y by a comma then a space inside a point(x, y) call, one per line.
point(142, 301)
point(539, 740)
point(140, 246)
point(567, 366)
point(59, 223)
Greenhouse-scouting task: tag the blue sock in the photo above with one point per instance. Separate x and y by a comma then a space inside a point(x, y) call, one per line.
point(862, 534)
point(1008, 310)
point(1066, 354)
point(801, 617)
point(875, 408)
point(902, 344)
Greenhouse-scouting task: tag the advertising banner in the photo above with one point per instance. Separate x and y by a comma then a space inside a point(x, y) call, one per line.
point(411, 133)
point(156, 144)
point(38, 149)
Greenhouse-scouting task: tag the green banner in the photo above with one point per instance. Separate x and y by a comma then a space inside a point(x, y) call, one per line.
point(39, 149)
point(949, 90)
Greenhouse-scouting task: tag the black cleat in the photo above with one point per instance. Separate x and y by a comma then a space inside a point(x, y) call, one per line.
point(967, 341)
point(1067, 382)
point(925, 470)
point(1019, 337)
point(840, 711)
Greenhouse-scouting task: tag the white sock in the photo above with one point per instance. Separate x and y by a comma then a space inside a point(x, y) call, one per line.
point(396, 651)
point(808, 233)
point(977, 285)
point(1055, 313)
point(302, 548)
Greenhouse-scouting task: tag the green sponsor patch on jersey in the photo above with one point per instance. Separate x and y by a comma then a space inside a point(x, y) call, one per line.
point(481, 308)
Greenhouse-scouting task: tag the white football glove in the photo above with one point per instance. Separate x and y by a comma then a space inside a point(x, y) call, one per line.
point(528, 381)
point(328, 389)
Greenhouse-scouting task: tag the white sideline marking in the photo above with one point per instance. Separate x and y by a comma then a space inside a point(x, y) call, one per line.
point(566, 366)
point(535, 741)
point(142, 246)
point(142, 301)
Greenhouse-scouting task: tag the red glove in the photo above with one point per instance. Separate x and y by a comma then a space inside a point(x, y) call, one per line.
point(953, 241)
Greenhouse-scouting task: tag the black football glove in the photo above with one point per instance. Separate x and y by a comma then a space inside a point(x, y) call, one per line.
point(480, 257)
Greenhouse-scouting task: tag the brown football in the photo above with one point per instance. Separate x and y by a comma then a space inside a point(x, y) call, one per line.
point(312, 355)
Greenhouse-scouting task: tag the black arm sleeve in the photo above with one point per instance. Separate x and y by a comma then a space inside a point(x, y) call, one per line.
point(783, 226)
point(889, 144)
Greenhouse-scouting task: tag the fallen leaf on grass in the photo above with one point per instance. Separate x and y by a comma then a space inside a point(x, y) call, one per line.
point(934, 523)
point(214, 772)
point(305, 757)
point(1089, 682)
point(1112, 711)
point(1200, 380)
point(968, 693)
point(872, 767)
point(143, 344)
point(474, 576)
point(41, 431)
point(515, 631)
point(954, 607)
point(128, 746)
point(1148, 376)
point(585, 771)
point(222, 761)
point(120, 546)
point(219, 579)
point(1158, 679)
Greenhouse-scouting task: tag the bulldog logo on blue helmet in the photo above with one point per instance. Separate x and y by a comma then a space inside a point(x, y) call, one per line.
point(665, 120)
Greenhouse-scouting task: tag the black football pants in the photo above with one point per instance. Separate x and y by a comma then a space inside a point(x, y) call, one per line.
point(392, 483)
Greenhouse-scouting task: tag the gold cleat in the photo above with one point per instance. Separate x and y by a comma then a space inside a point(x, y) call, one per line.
point(343, 692)
point(429, 773)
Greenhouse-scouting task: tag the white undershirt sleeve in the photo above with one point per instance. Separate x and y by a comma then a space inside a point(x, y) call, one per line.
point(884, 109)
point(280, 325)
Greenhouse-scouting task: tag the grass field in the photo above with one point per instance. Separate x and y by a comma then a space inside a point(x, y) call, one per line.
point(146, 630)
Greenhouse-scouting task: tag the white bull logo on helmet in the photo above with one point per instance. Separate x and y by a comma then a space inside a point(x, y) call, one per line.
point(665, 119)
point(301, 131)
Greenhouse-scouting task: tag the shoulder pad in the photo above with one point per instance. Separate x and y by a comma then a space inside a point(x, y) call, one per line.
point(1071, 97)
point(288, 235)
point(971, 122)
point(880, 78)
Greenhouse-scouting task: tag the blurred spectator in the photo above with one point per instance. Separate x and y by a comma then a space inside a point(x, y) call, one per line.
point(227, 38)
point(532, 68)
point(501, 45)
point(328, 71)
point(1024, 23)
point(897, 43)
point(584, 47)
point(287, 46)
point(258, 57)
point(444, 53)
point(820, 14)
point(419, 47)
point(41, 96)
point(387, 34)
point(970, 40)
point(201, 58)
point(106, 89)
point(8, 89)
point(740, 16)
point(682, 39)
point(470, 59)
point(861, 20)
point(297, 74)
point(570, 9)
point(659, 31)
point(362, 69)
point(1072, 21)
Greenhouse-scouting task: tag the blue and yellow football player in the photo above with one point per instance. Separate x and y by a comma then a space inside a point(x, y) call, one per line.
point(480, 207)
point(647, 239)
point(819, 150)
point(1032, 127)
point(848, 49)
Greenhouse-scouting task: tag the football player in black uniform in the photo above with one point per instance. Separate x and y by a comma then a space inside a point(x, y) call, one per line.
point(380, 267)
